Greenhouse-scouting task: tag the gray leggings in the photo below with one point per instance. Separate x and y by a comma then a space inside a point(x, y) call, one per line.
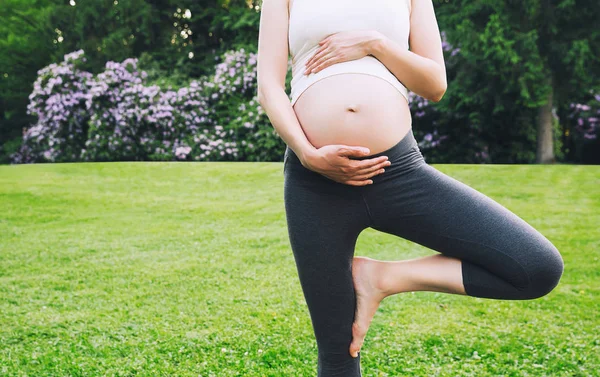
point(502, 256)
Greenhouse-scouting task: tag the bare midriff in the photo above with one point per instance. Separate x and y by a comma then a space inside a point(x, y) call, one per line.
point(353, 109)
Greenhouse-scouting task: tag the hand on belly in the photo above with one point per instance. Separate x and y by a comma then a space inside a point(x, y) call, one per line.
point(333, 162)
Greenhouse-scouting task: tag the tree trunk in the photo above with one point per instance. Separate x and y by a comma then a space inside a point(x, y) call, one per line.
point(545, 149)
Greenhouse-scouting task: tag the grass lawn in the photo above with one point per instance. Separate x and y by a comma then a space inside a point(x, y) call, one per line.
point(185, 269)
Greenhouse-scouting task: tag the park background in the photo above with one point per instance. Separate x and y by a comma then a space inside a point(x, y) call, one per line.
point(176, 80)
point(132, 244)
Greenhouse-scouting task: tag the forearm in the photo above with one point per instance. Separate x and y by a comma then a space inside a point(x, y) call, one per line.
point(421, 75)
point(278, 108)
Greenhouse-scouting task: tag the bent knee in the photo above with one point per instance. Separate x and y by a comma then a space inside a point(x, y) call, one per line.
point(544, 274)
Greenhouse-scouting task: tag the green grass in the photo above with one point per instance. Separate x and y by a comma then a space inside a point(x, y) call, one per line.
point(185, 269)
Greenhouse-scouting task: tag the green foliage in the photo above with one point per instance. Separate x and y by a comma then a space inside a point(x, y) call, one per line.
point(8, 148)
point(25, 46)
point(512, 53)
point(107, 30)
point(157, 76)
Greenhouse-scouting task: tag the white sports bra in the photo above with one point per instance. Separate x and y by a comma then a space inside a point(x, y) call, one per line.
point(310, 21)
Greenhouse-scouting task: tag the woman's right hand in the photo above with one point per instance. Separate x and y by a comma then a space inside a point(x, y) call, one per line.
point(332, 162)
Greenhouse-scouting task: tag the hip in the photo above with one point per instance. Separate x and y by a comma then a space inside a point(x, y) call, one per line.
point(405, 157)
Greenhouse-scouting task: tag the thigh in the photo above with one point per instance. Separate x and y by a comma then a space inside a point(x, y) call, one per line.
point(448, 216)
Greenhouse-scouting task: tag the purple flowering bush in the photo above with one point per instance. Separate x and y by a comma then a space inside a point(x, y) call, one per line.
point(426, 116)
point(236, 73)
point(251, 133)
point(201, 137)
point(583, 120)
point(58, 100)
point(124, 113)
point(241, 130)
point(133, 121)
point(586, 118)
point(116, 115)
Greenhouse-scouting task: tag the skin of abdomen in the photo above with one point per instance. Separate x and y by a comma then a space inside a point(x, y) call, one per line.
point(353, 109)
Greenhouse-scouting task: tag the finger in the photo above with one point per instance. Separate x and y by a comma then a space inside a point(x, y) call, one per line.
point(359, 182)
point(352, 173)
point(308, 70)
point(316, 56)
point(345, 180)
point(381, 164)
point(359, 165)
point(311, 66)
point(364, 174)
point(351, 182)
point(325, 40)
point(327, 57)
point(317, 53)
point(310, 61)
point(326, 63)
point(352, 151)
point(368, 175)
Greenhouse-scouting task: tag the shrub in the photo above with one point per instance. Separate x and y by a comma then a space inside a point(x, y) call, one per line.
point(117, 116)
point(58, 100)
point(584, 127)
point(587, 118)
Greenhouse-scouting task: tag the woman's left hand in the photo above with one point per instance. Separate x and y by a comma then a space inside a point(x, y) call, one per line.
point(342, 46)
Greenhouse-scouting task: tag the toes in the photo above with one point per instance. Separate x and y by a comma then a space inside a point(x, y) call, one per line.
point(354, 349)
point(358, 333)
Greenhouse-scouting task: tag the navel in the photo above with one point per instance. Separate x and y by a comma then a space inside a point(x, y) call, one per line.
point(352, 108)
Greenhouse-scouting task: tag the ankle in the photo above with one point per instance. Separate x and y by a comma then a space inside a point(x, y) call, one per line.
point(394, 277)
point(385, 278)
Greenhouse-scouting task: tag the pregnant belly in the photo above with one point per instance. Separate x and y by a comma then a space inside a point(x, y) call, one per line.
point(353, 109)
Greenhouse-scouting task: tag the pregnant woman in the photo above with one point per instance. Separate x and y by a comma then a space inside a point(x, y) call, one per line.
point(352, 163)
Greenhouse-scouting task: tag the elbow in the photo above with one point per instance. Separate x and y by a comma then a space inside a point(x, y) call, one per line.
point(442, 85)
point(437, 96)
point(263, 96)
point(266, 91)
point(441, 90)
point(260, 96)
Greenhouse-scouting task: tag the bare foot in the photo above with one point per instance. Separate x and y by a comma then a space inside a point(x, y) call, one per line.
point(366, 274)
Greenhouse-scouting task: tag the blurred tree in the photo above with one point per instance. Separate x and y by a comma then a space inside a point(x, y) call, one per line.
point(519, 56)
point(25, 44)
point(107, 30)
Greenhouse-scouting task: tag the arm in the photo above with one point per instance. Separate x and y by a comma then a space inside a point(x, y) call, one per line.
point(272, 65)
point(421, 69)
